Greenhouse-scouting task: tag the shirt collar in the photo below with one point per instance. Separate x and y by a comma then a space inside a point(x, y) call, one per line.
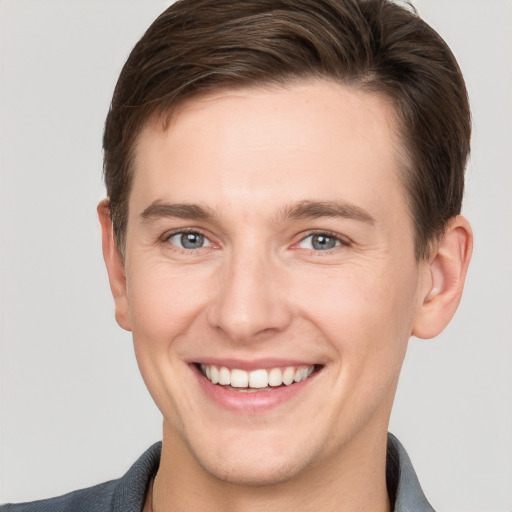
point(403, 486)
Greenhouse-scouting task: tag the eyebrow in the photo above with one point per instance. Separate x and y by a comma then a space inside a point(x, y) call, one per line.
point(175, 210)
point(318, 209)
point(296, 211)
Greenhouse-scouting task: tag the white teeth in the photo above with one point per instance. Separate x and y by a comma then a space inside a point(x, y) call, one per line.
point(275, 377)
point(224, 376)
point(256, 379)
point(288, 375)
point(239, 379)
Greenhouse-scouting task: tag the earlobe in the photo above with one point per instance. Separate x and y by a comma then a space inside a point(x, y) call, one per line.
point(115, 266)
point(446, 271)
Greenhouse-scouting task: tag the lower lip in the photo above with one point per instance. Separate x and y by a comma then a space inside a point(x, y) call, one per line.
point(250, 402)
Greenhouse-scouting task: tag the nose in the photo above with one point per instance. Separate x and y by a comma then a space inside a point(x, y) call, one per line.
point(251, 298)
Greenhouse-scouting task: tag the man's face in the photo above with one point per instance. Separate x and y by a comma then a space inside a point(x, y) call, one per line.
point(268, 235)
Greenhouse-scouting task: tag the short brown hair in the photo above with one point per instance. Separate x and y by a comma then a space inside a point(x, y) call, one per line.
point(200, 46)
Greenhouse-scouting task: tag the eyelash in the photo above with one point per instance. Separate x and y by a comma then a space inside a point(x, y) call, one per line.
point(339, 241)
point(167, 237)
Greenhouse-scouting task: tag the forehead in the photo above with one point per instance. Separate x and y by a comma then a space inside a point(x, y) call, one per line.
point(307, 141)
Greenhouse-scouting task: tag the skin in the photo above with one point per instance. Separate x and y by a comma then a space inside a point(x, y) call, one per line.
point(259, 289)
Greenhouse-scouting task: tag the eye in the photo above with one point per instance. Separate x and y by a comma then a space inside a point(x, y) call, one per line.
point(320, 242)
point(189, 240)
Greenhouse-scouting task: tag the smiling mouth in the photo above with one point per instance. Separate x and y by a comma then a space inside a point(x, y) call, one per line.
point(256, 380)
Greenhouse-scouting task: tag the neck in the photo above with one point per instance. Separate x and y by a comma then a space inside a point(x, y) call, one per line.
point(350, 481)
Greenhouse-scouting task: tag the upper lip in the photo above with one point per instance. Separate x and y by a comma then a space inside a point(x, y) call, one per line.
point(253, 364)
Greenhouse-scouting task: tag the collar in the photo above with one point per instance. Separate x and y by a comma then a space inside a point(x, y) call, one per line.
point(404, 488)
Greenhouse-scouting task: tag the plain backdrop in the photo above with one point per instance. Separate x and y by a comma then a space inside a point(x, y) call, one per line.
point(74, 410)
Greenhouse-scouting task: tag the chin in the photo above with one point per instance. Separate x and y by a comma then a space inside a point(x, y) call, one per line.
point(252, 473)
point(249, 465)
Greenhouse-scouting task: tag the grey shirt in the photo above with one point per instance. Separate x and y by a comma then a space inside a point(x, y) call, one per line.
point(128, 494)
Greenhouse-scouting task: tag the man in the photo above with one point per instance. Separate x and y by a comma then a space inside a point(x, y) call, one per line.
point(284, 186)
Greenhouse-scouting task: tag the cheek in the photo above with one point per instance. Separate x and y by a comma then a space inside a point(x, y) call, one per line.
point(163, 303)
point(364, 312)
point(164, 307)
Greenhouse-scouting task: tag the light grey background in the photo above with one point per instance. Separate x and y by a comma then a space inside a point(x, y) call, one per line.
point(73, 409)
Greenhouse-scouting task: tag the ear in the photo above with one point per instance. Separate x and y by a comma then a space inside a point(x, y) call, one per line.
point(445, 275)
point(115, 266)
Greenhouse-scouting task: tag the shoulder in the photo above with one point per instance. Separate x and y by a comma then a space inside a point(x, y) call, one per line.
point(94, 499)
point(126, 494)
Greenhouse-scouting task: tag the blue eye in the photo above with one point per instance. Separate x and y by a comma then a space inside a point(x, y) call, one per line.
point(189, 240)
point(320, 242)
